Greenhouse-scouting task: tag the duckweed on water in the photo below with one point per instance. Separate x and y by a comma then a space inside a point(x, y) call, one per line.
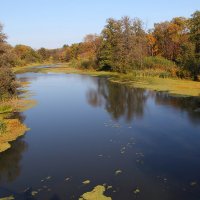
point(67, 179)
point(7, 198)
point(118, 172)
point(96, 194)
point(136, 191)
point(86, 182)
point(11, 129)
point(33, 193)
point(193, 183)
point(14, 129)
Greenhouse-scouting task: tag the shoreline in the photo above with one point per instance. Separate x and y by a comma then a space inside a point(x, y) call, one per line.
point(136, 79)
point(11, 126)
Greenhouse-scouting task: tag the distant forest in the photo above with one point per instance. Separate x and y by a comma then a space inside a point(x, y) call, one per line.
point(170, 49)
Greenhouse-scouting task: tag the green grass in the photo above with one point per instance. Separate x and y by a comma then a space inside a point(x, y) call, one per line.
point(2, 127)
point(173, 86)
point(5, 109)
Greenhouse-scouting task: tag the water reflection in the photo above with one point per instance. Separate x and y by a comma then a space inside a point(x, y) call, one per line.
point(10, 161)
point(118, 100)
point(159, 153)
point(123, 101)
point(191, 105)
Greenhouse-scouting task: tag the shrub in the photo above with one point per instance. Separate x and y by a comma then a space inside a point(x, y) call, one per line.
point(7, 83)
point(168, 68)
point(2, 127)
point(88, 64)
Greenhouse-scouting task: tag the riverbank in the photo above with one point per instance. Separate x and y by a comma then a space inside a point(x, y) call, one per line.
point(31, 66)
point(134, 79)
point(11, 126)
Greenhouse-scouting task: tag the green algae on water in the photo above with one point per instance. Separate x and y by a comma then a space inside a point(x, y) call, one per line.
point(7, 198)
point(96, 194)
point(86, 182)
point(118, 172)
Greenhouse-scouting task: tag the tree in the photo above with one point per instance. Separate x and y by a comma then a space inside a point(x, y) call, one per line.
point(7, 80)
point(124, 45)
point(44, 54)
point(170, 36)
point(26, 54)
point(195, 31)
point(151, 44)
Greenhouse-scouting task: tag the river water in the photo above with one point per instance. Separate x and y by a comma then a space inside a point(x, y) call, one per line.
point(87, 128)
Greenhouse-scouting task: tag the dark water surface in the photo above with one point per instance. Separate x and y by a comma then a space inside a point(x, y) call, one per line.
point(88, 128)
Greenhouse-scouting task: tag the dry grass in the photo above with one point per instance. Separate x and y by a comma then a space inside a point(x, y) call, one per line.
point(11, 129)
point(173, 86)
point(14, 129)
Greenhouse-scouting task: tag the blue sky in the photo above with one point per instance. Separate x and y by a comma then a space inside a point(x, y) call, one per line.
point(52, 23)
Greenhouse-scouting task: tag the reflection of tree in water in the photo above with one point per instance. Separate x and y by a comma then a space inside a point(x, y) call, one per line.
point(191, 105)
point(123, 101)
point(10, 159)
point(119, 100)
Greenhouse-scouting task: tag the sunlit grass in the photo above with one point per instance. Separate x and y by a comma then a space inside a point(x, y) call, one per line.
point(11, 129)
point(96, 193)
point(147, 79)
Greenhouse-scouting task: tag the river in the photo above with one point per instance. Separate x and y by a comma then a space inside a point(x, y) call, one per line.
point(144, 144)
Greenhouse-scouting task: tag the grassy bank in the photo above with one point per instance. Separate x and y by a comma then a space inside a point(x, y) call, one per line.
point(140, 79)
point(11, 126)
point(29, 67)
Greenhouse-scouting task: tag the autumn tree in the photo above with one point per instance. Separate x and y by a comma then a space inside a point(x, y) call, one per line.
point(44, 54)
point(195, 31)
point(7, 80)
point(26, 54)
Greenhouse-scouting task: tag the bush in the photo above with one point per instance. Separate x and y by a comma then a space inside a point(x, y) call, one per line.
point(168, 68)
point(2, 127)
point(158, 62)
point(7, 83)
point(88, 64)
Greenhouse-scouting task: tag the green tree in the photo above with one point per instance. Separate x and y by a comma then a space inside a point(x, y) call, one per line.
point(124, 45)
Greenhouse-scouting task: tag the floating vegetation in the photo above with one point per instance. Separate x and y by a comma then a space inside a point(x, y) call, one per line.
point(11, 129)
point(8, 198)
point(14, 129)
point(48, 177)
point(67, 179)
point(33, 193)
point(136, 191)
point(123, 150)
point(193, 183)
point(118, 172)
point(96, 194)
point(109, 187)
point(86, 182)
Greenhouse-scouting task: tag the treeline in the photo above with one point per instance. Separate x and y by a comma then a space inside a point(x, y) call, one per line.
point(170, 49)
